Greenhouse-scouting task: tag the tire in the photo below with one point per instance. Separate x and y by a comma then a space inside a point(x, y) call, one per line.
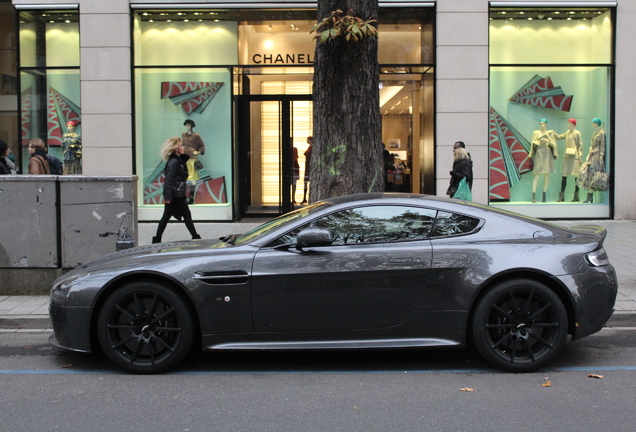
point(145, 327)
point(519, 325)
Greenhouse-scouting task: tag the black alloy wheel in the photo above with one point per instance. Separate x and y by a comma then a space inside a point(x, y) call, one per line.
point(145, 327)
point(520, 325)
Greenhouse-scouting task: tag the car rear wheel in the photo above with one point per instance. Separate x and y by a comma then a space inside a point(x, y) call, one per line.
point(519, 325)
point(145, 327)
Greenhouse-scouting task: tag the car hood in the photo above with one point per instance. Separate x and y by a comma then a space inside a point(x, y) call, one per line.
point(142, 255)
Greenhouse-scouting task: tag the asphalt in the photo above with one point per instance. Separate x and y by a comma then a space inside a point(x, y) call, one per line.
point(30, 313)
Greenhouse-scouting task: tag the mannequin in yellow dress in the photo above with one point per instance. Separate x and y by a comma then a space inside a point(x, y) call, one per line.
point(194, 147)
point(572, 158)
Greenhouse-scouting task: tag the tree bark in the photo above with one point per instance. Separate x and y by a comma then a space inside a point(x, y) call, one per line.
point(347, 143)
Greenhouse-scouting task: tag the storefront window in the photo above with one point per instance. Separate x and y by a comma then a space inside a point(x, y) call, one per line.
point(9, 79)
point(550, 111)
point(244, 77)
point(50, 85)
point(187, 101)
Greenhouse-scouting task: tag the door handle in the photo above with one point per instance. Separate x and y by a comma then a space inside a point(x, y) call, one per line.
point(400, 260)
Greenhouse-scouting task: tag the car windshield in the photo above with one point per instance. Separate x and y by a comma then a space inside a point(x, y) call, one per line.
point(267, 227)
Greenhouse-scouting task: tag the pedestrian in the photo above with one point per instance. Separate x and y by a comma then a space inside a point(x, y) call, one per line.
point(174, 187)
point(6, 165)
point(38, 163)
point(460, 144)
point(462, 168)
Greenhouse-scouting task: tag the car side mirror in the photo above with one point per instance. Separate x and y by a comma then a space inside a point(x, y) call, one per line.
point(311, 237)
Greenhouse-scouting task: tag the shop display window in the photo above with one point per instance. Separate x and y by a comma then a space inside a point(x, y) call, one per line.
point(9, 132)
point(50, 85)
point(190, 99)
point(243, 77)
point(551, 80)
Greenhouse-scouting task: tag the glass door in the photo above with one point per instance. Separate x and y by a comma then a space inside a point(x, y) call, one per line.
point(275, 153)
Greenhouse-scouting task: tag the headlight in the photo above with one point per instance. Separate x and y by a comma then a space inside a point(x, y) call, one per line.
point(597, 258)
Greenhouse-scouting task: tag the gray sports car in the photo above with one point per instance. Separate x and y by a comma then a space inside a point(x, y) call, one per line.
point(361, 271)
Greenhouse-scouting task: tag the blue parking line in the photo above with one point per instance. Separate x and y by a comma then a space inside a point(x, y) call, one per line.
point(431, 371)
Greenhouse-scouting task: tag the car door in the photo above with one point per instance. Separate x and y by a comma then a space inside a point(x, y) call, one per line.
point(372, 276)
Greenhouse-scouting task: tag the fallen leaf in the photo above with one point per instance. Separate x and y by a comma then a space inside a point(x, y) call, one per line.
point(70, 365)
point(595, 376)
point(466, 389)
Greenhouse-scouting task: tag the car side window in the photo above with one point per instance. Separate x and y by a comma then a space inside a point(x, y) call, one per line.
point(290, 237)
point(372, 224)
point(378, 224)
point(452, 223)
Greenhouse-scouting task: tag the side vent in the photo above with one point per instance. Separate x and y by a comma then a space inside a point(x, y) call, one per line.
point(238, 277)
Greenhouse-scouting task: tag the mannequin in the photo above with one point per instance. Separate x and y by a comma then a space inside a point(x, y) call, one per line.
point(595, 160)
point(572, 159)
point(542, 152)
point(194, 147)
point(72, 146)
point(310, 141)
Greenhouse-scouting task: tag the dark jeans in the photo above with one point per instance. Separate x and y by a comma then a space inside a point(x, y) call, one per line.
point(178, 208)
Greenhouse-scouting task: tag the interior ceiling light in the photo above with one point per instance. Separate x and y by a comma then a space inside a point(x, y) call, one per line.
point(387, 93)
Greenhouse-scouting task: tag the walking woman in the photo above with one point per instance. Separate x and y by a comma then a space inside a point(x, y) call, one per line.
point(462, 168)
point(6, 166)
point(174, 187)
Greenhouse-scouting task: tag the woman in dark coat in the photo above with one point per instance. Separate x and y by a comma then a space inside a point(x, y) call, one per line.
point(462, 167)
point(5, 167)
point(174, 187)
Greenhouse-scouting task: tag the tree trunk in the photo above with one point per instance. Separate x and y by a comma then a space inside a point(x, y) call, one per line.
point(347, 146)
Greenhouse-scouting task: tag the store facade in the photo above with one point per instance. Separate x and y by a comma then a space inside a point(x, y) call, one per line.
point(533, 88)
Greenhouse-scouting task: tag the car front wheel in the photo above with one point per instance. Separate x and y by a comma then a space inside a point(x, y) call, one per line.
point(145, 327)
point(519, 325)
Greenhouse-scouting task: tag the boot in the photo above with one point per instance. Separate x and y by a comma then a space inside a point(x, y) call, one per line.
point(543, 200)
point(534, 199)
point(156, 240)
point(196, 237)
point(561, 197)
point(590, 198)
point(576, 196)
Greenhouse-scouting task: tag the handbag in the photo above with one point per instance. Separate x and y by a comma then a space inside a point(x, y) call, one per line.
point(570, 151)
point(600, 181)
point(463, 191)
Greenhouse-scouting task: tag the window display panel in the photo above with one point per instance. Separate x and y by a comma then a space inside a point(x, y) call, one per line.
point(194, 105)
point(49, 38)
point(50, 110)
point(549, 140)
point(171, 38)
point(551, 36)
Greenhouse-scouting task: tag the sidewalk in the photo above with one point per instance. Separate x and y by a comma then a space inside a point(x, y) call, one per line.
point(619, 244)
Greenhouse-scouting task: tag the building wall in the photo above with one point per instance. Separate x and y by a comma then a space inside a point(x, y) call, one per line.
point(461, 88)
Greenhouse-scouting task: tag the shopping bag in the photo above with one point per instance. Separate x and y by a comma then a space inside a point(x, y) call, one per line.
point(463, 191)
